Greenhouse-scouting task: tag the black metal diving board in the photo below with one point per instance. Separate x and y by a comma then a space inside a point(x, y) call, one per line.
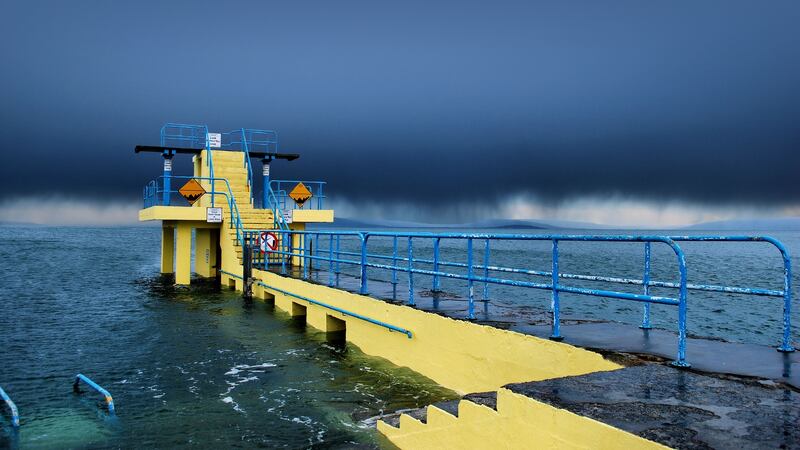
point(195, 151)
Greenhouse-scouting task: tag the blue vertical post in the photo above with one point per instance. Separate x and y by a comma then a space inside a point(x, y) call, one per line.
point(470, 281)
point(646, 281)
point(265, 174)
point(410, 273)
point(209, 163)
point(555, 306)
point(436, 242)
point(285, 239)
point(168, 154)
point(311, 244)
point(681, 361)
point(305, 254)
point(330, 260)
point(786, 345)
point(486, 270)
point(338, 257)
point(394, 262)
point(364, 238)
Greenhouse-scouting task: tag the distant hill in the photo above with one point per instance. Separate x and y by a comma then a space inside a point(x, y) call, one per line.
point(346, 222)
point(779, 224)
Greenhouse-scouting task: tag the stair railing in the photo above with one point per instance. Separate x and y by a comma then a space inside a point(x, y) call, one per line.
point(247, 164)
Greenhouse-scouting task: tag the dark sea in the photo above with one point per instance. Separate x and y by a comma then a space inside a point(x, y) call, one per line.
point(198, 367)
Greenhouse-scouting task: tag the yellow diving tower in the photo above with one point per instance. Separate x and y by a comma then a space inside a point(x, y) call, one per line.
point(217, 200)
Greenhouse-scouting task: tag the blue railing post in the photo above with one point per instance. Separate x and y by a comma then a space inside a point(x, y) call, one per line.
point(486, 270)
point(681, 361)
point(410, 273)
point(168, 154)
point(555, 305)
point(394, 262)
point(786, 345)
point(306, 240)
point(646, 282)
point(364, 237)
point(338, 257)
point(210, 163)
point(286, 239)
point(436, 242)
point(265, 174)
point(470, 282)
point(330, 260)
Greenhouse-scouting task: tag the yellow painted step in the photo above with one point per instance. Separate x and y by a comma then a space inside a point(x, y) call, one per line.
point(439, 417)
point(409, 424)
point(473, 412)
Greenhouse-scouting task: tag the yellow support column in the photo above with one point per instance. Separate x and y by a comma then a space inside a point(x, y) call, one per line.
point(297, 243)
point(167, 249)
point(183, 258)
point(205, 252)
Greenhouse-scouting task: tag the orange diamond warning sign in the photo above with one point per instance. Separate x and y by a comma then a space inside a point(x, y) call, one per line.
point(300, 194)
point(192, 191)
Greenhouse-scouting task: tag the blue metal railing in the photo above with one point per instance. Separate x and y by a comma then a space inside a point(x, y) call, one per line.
point(109, 400)
point(184, 135)
point(11, 407)
point(388, 326)
point(324, 248)
point(247, 140)
point(154, 194)
point(281, 189)
point(332, 255)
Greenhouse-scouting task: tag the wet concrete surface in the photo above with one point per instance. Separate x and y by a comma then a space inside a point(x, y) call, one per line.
point(745, 396)
point(705, 355)
point(679, 408)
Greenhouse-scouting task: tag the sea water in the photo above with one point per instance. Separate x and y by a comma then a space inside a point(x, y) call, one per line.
point(199, 367)
point(186, 367)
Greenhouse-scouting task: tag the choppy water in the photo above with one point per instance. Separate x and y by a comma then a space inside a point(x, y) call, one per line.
point(186, 367)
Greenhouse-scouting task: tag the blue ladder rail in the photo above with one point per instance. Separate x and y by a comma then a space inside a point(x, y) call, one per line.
point(80, 377)
point(12, 407)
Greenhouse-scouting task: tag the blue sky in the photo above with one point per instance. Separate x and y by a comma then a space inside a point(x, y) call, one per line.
point(639, 112)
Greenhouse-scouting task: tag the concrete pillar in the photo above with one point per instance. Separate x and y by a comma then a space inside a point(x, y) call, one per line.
point(183, 257)
point(298, 240)
point(167, 249)
point(205, 252)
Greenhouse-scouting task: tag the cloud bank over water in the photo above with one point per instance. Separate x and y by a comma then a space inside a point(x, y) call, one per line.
point(68, 211)
point(606, 211)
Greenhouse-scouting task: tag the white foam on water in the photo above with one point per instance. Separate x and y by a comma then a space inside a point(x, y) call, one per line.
point(253, 368)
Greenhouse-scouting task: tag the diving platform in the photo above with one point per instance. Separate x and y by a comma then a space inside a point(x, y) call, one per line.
point(215, 204)
point(437, 303)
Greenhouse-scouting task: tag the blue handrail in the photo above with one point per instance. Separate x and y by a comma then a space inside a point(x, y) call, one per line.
point(785, 346)
point(555, 287)
point(210, 164)
point(247, 165)
point(109, 400)
point(340, 310)
point(152, 196)
point(409, 264)
point(12, 407)
point(281, 189)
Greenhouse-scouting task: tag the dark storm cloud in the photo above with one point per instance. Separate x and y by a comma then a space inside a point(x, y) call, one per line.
point(415, 102)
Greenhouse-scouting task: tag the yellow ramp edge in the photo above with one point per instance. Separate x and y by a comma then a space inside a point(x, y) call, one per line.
point(457, 354)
